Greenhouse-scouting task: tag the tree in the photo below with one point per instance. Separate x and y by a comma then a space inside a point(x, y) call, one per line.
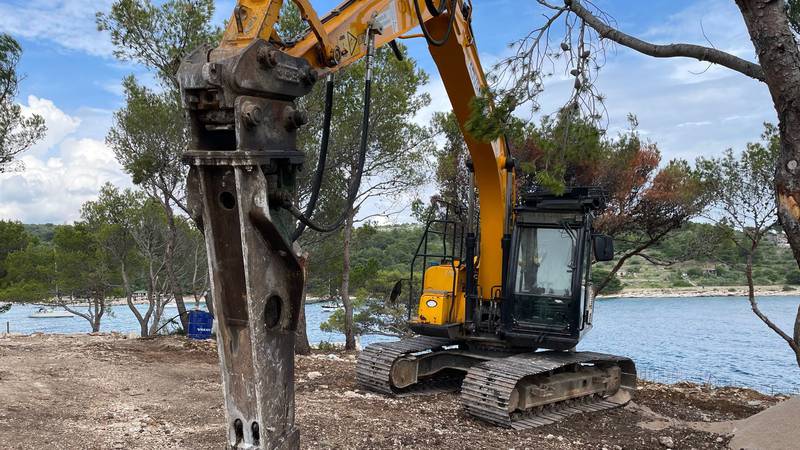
point(147, 137)
point(743, 198)
point(131, 231)
point(31, 274)
point(645, 202)
point(773, 28)
point(373, 313)
point(17, 132)
point(158, 36)
point(83, 275)
point(395, 150)
point(149, 134)
point(13, 237)
point(452, 176)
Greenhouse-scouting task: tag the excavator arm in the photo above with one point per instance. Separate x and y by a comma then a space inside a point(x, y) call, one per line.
point(240, 102)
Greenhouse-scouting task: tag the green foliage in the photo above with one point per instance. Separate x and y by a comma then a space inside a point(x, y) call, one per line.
point(13, 236)
point(325, 346)
point(373, 313)
point(793, 277)
point(159, 36)
point(389, 247)
point(613, 286)
point(490, 116)
point(148, 136)
point(742, 190)
point(31, 274)
point(17, 132)
point(793, 11)
point(397, 146)
point(680, 283)
point(42, 231)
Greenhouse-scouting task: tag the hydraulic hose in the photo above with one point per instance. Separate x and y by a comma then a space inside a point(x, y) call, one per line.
point(435, 12)
point(433, 9)
point(316, 184)
point(355, 182)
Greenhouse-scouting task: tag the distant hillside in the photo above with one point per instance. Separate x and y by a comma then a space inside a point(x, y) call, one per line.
point(43, 231)
point(392, 247)
point(718, 265)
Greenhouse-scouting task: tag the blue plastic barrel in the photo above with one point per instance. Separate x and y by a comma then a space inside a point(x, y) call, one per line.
point(200, 324)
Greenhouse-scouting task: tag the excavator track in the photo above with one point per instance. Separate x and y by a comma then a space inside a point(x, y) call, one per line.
point(374, 365)
point(488, 388)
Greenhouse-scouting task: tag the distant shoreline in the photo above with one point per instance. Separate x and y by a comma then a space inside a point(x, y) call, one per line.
point(706, 291)
point(691, 292)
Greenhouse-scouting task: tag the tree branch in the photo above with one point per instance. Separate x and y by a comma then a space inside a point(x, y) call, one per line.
point(698, 52)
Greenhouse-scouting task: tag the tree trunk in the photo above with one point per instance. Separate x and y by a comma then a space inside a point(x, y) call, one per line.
point(779, 56)
point(349, 336)
point(793, 341)
point(99, 308)
point(301, 345)
point(129, 297)
point(169, 256)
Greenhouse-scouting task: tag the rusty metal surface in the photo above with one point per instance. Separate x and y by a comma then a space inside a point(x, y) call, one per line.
point(243, 163)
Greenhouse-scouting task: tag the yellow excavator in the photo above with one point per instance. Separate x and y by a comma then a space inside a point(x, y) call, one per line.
point(502, 301)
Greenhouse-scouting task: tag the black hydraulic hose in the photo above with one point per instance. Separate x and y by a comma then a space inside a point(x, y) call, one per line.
point(355, 182)
point(433, 9)
point(431, 40)
point(316, 184)
point(396, 50)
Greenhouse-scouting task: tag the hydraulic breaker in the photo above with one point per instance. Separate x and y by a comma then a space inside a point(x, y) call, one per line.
point(243, 163)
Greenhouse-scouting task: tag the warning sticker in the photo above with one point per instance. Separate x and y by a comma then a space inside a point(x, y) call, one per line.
point(388, 18)
point(473, 76)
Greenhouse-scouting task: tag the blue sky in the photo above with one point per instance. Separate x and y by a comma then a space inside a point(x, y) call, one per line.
point(74, 82)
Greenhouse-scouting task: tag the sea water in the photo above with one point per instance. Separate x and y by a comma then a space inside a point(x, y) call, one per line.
point(716, 340)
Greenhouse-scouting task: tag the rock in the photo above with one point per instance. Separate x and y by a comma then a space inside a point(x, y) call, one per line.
point(666, 441)
point(719, 439)
point(616, 447)
point(549, 436)
point(352, 394)
point(132, 335)
point(754, 403)
point(313, 375)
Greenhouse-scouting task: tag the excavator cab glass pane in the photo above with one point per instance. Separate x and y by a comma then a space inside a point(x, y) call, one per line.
point(545, 262)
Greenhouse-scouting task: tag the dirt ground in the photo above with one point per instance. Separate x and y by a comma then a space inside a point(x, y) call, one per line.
point(108, 392)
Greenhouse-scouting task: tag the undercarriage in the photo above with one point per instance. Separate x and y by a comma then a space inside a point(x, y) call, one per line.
point(514, 390)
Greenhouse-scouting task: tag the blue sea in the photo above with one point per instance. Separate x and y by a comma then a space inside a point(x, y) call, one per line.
point(715, 340)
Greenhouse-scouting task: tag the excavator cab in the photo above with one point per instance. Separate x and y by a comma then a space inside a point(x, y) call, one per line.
point(546, 298)
point(548, 292)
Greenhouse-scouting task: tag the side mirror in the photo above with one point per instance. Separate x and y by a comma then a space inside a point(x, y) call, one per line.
point(396, 290)
point(603, 247)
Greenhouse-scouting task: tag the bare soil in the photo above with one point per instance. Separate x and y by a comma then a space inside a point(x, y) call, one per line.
point(107, 392)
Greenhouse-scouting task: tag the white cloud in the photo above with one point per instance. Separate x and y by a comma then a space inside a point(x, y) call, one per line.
point(56, 181)
point(68, 23)
point(59, 124)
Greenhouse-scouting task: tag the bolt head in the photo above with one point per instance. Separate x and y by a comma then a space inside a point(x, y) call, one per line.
point(251, 114)
point(295, 118)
